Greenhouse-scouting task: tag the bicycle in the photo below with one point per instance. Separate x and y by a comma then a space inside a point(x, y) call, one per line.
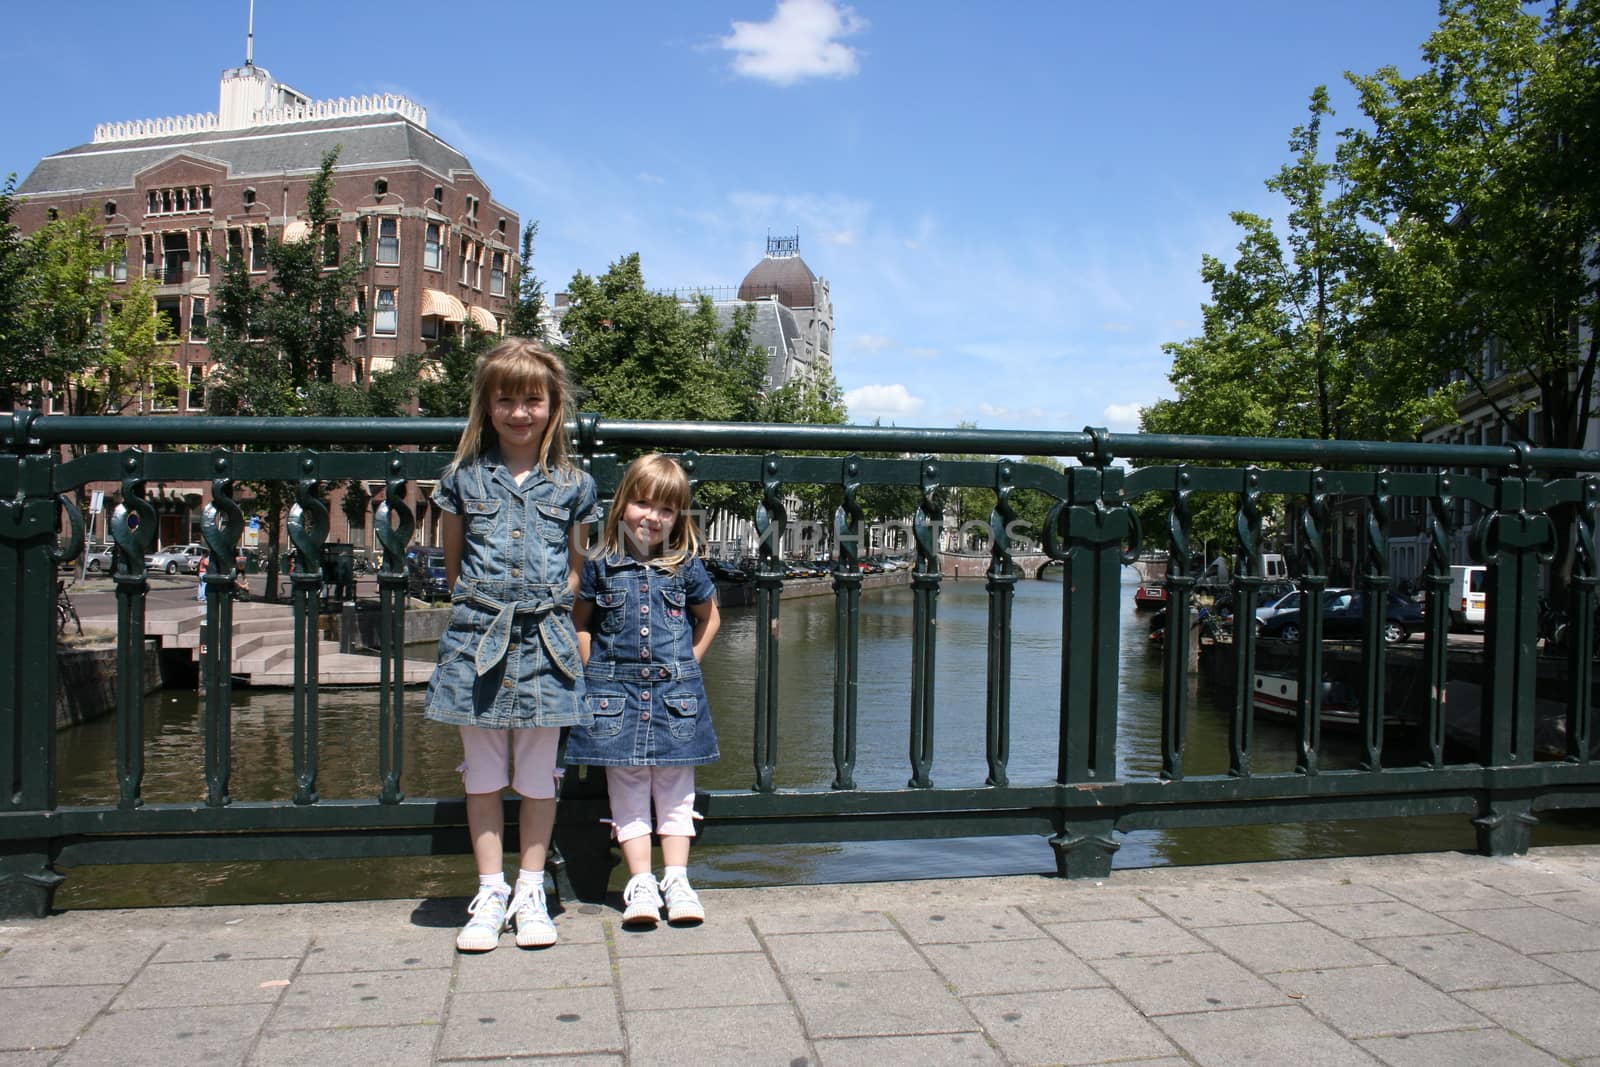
point(65, 611)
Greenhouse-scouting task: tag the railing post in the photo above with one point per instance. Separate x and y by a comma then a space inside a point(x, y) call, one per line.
point(1375, 583)
point(221, 525)
point(1247, 580)
point(308, 532)
point(925, 579)
point(1001, 586)
point(1436, 616)
point(847, 626)
point(770, 518)
point(393, 523)
point(1175, 646)
point(27, 664)
point(1314, 581)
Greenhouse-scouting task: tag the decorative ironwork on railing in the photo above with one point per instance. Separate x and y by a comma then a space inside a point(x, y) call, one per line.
point(1527, 506)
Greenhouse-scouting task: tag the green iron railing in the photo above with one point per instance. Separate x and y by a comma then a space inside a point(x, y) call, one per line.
point(1529, 503)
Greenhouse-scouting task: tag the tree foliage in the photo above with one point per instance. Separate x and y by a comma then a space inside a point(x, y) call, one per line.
point(1481, 170)
point(527, 310)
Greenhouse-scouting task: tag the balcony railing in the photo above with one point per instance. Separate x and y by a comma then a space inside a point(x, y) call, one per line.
point(1531, 507)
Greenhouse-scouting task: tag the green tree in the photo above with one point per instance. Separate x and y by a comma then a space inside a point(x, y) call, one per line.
point(527, 311)
point(1481, 171)
point(444, 390)
point(131, 362)
point(64, 286)
point(16, 341)
point(276, 345)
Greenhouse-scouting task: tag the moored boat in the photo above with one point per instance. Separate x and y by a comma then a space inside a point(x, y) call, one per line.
point(1150, 596)
point(1277, 696)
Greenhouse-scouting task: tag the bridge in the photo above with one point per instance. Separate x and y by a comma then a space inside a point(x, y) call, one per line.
point(1523, 501)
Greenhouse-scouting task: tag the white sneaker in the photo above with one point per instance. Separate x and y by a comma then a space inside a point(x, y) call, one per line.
point(642, 900)
point(488, 918)
point(531, 915)
point(683, 903)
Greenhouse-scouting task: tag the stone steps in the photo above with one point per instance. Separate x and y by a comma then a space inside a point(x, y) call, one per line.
point(263, 646)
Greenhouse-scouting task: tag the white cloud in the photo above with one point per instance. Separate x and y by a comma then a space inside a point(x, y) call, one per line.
point(653, 179)
point(887, 402)
point(922, 353)
point(873, 342)
point(1121, 417)
point(798, 42)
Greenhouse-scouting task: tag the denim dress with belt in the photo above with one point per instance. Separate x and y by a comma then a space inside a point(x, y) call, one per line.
point(510, 655)
point(642, 684)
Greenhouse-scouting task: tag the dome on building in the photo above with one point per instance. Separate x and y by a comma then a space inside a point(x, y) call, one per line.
point(783, 275)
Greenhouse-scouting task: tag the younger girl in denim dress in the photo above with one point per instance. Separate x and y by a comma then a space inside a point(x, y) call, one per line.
point(509, 673)
point(646, 613)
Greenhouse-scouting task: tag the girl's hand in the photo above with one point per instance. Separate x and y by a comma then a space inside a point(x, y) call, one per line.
point(707, 621)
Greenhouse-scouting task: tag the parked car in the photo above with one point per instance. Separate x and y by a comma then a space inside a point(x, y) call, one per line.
point(98, 558)
point(1342, 617)
point(426, 578)
point(1289, 601)
point(175, 558)
point(723, 571)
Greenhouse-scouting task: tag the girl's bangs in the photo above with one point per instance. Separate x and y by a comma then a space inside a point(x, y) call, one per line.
point(663, 484)
point(522, 374)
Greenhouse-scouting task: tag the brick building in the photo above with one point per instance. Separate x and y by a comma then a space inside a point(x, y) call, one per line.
point(175, 194)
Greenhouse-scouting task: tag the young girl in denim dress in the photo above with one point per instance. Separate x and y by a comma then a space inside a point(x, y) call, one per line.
point(646, 613)
point(509, 674)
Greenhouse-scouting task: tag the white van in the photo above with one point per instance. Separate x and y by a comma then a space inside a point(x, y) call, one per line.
point(1468, 594)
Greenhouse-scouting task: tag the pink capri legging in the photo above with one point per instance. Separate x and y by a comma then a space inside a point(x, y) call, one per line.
point(632, 789)
point(524, 758)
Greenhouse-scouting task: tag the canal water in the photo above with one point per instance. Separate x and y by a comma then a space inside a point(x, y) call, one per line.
point(262, 762)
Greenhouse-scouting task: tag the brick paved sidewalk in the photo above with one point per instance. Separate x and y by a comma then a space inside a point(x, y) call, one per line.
point(1441, 959)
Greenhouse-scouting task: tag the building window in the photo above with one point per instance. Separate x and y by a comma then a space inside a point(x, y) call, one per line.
point(164, 394)
point(197, 319)
point(169, 318)
point(380, 186)
point(249, 197)
point(389, 241)
point(438, 195)
point(430, 247)
point(430, 327)
point(202, 259)
point(119, 260)
point(476, 264)
point(385, 316)
point(196, 400)
point(258, 248)
point(461, 261)
point(497, 274)
point(361, 313)
point(330, 245)
point(111, 209)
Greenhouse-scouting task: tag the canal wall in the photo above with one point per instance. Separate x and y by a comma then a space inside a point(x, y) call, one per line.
point(86, 681)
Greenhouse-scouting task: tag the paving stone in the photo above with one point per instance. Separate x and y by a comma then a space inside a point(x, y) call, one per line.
point(1530, 929)
point(161, 1037)
point(865, 950)
point(716, 1037)
point(173, 985)
point(1111, 938)
point(966, 924)
point(514, 1024)
point(1261, 1037)
point(1522, 876)
point(576, 1059)
point(1068, 1026)
point(1376, 1001)
point(1200, 982)
point(1297, 946)
point(916, 1051)
point(1583, 905)
point(392, 1046)
point(716, 935)
point(1584, 966)
point(1564, 1020)
point(877, 1004)
point(561, 966)
point(1458, 1048)
point(1450, 894)
point(363, 998)
point(396, 949)
point(1298, 895)
point(769, 923)
point(37, 1058)
point(229, 944)
point(73, 963)
point(1388, 918)
point(1220, 907)
point(49, 1016)
point(1089, 905)
point(1464, 961)
point(659, 982)
point(1011, 967)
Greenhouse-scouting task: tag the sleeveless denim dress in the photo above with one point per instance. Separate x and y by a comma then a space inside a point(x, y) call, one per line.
point(646, 700)
point(510, 655)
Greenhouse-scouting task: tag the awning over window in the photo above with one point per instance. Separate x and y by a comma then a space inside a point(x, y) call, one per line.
point(296, 230)
point(484, 318)
point(443, 305)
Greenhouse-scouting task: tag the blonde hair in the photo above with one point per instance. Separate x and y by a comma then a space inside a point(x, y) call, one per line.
point(660, 480)
point(517, 365)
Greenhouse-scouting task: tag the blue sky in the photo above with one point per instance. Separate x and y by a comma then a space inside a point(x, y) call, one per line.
point(1009, 201)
